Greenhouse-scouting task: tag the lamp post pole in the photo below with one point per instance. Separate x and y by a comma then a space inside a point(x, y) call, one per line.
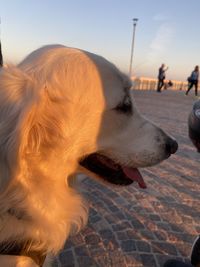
point(135, 20)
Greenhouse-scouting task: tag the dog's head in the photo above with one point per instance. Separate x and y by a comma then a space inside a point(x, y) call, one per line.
point(63, 110)
point(125, 140)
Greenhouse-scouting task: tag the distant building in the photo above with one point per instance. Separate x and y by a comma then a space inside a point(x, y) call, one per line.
point(146, 83)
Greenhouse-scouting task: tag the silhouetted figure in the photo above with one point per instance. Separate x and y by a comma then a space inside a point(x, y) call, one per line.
point(1, 57)
point(193, 80)
point(161, 77)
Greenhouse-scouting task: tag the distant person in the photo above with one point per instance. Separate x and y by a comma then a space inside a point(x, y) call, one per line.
point(161, 77)
point(193, 80)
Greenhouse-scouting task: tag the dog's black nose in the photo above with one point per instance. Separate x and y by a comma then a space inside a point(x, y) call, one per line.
point(171, 146)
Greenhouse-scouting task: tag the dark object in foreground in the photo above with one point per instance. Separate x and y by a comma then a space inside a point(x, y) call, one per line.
point(176, 263)
point(194, 134)
point(194, 125)
point(195, 255)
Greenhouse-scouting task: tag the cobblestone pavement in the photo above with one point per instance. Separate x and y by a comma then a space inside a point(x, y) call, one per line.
point(129, 226)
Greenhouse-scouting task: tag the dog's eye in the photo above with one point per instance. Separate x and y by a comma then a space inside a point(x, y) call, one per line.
point(125, 106)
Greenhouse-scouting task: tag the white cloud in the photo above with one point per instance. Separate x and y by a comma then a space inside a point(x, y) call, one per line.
point(160, 42)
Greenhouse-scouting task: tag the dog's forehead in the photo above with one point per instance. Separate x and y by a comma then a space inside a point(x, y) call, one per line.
point(116, 86)
point(114, 83)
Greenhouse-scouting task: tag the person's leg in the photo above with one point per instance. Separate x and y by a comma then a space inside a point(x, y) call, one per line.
point(162, 83)
point(189, 87)
point(176, 263)
point(159, 84)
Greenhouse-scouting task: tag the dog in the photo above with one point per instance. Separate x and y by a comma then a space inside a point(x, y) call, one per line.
point(64, 111)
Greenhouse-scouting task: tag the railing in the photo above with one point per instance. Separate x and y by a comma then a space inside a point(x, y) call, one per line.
point(145, 83)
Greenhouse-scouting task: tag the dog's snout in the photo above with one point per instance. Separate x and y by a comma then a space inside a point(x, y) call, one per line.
point(171, 146)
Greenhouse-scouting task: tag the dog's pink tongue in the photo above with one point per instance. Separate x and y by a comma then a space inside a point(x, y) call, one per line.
point(135, 175)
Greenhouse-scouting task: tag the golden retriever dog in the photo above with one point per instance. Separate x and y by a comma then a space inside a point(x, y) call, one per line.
point(64, 111)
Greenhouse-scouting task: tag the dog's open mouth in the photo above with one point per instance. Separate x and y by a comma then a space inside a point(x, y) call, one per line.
point(111, 171)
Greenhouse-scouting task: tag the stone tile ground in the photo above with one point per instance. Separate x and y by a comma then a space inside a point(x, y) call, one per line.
point(129, 226)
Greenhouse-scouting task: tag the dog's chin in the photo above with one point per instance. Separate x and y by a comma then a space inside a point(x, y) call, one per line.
point(108, 170)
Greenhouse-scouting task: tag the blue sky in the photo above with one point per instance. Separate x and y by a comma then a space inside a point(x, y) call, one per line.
point(167, 31)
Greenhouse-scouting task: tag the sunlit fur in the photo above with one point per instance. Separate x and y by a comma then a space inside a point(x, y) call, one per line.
point(56, 107)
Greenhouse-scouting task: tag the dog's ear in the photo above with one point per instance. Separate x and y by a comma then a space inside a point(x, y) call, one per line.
point(31, 119)
point(16, 100)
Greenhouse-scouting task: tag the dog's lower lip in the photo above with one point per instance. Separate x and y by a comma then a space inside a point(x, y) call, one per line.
point(110, 171)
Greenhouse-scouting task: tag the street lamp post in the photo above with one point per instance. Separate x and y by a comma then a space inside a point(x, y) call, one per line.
point(135, 20)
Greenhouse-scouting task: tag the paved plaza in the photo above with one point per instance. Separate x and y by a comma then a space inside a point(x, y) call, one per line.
point(132, 227)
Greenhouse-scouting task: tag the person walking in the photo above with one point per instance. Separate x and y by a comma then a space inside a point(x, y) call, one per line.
point(161, 77)
point(193, 80)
